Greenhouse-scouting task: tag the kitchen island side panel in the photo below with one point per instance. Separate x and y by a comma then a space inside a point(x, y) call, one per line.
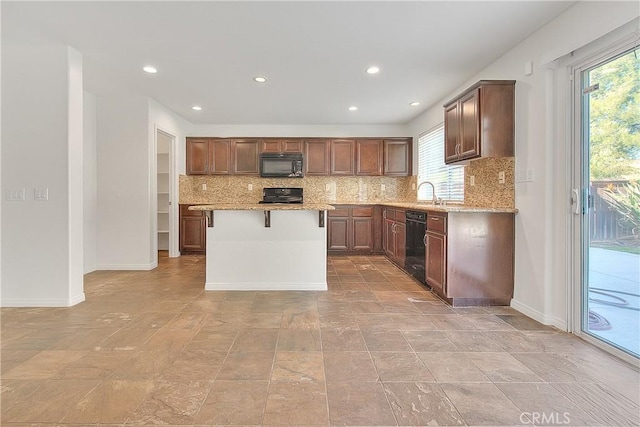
point(243, 254)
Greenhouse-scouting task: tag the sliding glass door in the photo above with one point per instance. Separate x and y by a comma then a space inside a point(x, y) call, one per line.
point(609, 195)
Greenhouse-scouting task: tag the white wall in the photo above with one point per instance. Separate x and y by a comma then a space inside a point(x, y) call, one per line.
point(41, 131)
point(542, 270)
point(124, 226)
point(90, 180)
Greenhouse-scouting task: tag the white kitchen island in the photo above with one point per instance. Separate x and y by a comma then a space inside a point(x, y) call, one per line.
point(258, 247)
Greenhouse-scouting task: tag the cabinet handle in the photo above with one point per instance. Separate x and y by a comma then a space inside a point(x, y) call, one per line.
point(424, 239)
point(384, 214)
point(434, 219)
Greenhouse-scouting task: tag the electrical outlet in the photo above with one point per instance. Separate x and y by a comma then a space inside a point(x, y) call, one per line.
point(204, 187)
point(250, 187)
point(413, 185)
point(327, 187)
point(501, 177)
point(472, 180)
point(383, 187)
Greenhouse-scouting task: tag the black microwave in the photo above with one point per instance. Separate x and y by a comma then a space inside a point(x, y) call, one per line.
point(285, 165)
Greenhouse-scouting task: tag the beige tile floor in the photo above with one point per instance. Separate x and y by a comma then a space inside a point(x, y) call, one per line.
point(376, 349)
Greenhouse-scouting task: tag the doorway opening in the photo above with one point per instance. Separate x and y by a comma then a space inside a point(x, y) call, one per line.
point(164, 213)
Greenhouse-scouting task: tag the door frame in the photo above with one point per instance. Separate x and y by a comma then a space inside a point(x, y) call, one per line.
point(575, 160)
point(173, 212)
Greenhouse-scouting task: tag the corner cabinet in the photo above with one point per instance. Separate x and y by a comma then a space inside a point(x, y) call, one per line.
point(469, 257)
point(480, 122)
point(352, 229)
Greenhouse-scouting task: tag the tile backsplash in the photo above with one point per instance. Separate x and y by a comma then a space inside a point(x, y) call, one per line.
point(486, 191)
point(317, 189)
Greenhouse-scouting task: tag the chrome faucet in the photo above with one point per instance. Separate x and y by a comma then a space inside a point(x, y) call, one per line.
point(434, 199)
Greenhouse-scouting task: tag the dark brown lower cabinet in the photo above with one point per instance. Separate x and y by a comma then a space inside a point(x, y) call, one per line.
point(394, 238)
point(193, 231)
point(353, 229)
point(470, 257)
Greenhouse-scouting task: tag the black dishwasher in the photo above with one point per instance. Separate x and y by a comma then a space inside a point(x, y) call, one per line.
point(414, 257)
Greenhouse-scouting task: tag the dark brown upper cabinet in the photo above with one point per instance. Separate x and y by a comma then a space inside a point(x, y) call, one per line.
point(206, 156)
point(197, 156)
point(316, 156)
point(245, 156)
point(480, 122)
point(342, 156)
point(397, 157)
point(277, 145)
point(369, 155)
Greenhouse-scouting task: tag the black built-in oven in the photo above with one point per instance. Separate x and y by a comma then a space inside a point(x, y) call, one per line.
point(415, 248)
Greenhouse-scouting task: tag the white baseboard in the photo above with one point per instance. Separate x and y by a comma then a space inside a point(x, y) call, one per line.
point(265, 287)
point(42, 302)
point(537, 315)
point(127, 266)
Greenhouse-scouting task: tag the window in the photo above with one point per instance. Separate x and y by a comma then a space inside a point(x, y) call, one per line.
point(447, 180)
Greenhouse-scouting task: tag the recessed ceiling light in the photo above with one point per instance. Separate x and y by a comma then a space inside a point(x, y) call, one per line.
point(149, 69)
point(373, 70)
point(353, 108)
point(414, 104)
point(196, 107)
point(260, 79)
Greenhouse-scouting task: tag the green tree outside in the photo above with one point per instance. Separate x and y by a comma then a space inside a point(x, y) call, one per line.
point(614, 119)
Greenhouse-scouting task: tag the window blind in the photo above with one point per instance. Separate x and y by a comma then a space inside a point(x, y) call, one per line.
point(447, 180)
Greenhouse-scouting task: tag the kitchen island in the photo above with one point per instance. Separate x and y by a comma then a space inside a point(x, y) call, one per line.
point(266, 246)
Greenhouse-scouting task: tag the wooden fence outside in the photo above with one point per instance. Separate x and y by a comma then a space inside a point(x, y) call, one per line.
point(604, 220)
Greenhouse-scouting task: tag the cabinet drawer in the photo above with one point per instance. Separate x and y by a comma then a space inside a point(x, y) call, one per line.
point(437, 223)
point(339, 211)
point(366, 211)
point(401, 216)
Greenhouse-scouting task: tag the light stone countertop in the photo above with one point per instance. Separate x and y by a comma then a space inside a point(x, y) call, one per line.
point(329, 207)
point(446, 208)
point(263, 207)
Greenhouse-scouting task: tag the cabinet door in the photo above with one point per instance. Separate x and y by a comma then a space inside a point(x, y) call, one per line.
point(197, 156)
point(362, 234)
point(469, 125)
point(389, 241)
point(316, 157)
point(220, 157)
point(436, 261)
point(369, 157)
point(338, 234)
point(397, 158)
point(192, 230)
point(270, 146)
point(291, 146)
point(245, 157)
point(342, 156)
point(451, 132)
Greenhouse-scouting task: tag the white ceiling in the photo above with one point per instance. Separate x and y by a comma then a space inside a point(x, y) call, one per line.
point(314, 54)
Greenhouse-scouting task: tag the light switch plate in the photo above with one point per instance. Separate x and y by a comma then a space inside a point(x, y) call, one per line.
point(204, 186)
point(501, 177)
point(41, 194)
point(472, 180)
point(16, 195)
point(250, 187)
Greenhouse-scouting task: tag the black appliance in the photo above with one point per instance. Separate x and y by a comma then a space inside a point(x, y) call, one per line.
point(415, 247)
point(281, 195)
point(284, 165)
